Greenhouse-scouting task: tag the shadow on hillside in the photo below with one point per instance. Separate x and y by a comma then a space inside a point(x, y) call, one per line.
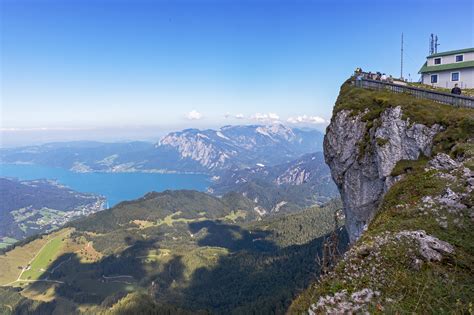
point(232, 237)
point(104, 281)
point(245, 281)
point(173, 272)
point(256, 275)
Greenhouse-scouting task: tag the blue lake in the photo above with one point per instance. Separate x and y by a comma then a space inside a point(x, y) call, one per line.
point(116, 187)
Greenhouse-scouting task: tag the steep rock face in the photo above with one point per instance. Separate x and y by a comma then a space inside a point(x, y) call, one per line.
point(364, 177)
point(241, 146)
point(198, 146)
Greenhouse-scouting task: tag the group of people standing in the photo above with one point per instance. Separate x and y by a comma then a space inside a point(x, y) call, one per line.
point(378, 76)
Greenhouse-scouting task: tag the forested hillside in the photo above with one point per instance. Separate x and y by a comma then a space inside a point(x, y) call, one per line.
point(178, 251)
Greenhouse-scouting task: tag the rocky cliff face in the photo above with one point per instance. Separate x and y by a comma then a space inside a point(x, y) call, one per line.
point(362, 157)
point(405, 170)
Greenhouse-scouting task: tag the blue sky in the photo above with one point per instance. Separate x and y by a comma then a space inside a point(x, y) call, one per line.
point(134, 69)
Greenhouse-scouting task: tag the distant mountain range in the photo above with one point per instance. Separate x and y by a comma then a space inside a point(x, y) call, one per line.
point(242, 146)
point(38, 206)
point(284, 187)
point(191, 150)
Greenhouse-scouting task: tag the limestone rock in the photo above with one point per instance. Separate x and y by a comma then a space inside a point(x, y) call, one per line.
point(364, 177)
point(451, 199)
point(431, 248)
point(342, 303)
point(443, 161)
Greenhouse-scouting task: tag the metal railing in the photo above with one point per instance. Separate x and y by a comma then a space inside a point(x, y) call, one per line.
point(440, 97)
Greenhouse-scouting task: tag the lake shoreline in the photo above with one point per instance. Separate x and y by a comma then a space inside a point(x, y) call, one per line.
point(114, 186)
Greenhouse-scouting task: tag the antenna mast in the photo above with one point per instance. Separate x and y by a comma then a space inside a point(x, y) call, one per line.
point(432, 44)
point(401, 60)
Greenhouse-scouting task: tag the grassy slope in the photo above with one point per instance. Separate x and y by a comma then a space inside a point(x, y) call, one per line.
point(438, 287)
point(21, 256)
point(46, 256)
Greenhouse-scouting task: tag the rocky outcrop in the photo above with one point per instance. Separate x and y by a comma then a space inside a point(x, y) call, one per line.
point(364, 177)
point(343, 303)
point(430, 247)
point(442, 161)
point(368, 261)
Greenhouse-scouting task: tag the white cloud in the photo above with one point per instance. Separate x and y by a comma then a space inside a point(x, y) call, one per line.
point(273, 116)
point(265, 118)
point(305, 119)
point(194, 115)
point(236, 116)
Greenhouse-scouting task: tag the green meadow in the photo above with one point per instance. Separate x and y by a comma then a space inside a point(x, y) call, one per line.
point(44, 258)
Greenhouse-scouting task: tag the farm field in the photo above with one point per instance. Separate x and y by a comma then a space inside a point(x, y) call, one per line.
point(39, 254)
point(13, 261)
point(44, 258)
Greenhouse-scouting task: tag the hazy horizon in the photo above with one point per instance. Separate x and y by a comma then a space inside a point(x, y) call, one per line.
point(129, 70)
point(108, 135)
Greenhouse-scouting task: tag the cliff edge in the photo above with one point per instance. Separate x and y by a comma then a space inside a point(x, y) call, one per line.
point(362, 159)
point(405, 171)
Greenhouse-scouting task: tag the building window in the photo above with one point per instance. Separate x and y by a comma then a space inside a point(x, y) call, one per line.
point(437, 61)
point(455, 76)
point(459, 58)
point(434, 78)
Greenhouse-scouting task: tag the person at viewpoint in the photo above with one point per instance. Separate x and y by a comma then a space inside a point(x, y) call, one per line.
point(456, 90)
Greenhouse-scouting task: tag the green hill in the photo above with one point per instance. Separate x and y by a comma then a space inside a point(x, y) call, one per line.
point(176, 251)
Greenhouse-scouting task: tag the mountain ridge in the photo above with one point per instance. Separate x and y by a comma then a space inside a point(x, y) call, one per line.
point(188, 151)
point(283, 187)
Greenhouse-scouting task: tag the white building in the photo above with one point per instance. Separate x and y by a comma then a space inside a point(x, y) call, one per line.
point(448, 68)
